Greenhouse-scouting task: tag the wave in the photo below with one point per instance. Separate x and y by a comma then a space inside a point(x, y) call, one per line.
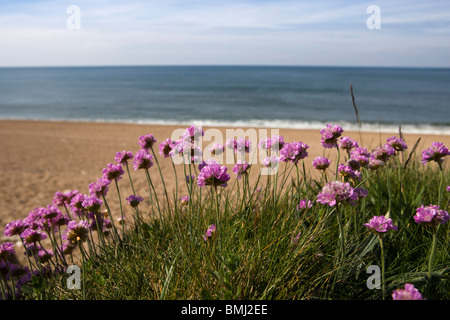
point(433, 129)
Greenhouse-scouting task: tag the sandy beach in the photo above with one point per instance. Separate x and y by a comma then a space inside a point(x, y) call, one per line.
point(40, 158)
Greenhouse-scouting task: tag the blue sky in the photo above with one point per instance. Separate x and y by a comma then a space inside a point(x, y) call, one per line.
point(218, 32)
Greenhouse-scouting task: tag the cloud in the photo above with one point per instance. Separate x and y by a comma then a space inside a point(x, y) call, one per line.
point(224, 32)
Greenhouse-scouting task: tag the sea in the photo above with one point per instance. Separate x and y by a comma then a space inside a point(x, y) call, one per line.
point(417, 100)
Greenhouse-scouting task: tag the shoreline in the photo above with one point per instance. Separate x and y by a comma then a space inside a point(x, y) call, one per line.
point(366, 127)
point(43, 157)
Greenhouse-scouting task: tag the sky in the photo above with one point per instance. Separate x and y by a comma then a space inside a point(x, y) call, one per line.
point(224, 32)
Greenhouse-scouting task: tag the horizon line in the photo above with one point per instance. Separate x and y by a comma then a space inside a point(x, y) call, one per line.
point(222, 65)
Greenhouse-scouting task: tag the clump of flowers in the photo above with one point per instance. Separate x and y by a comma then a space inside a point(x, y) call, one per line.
point(142, 160)
point(383, 153)
point(15, 227)
point(337, 192)
point(241, 168)
point(408, 293)
point(380, 225)
point(211, 229)
point(270, 161)
point(146, 141)
point(435, 153)
point(134, 201)
point(184, 200)
point(6, 249)
point(212, 174)
point(274, 143)
point(192, 133)
point(165, 147)
point(347, 172)
point(321, 163)
point(431, 215)
point(63, 198)
point(123, 156)
point(347, 143)
point(240, 145)
point(294, 151)
point(100, 187)
point(360, 155)
point(304, 204)
point(330, 135)
point(397, 143)
point(76, 232)
point(216, 149)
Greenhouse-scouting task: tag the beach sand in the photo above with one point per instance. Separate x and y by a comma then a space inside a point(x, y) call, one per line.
point(40, 158)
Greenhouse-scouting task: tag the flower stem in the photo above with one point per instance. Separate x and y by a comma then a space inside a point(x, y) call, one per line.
point(440, 185)
point(121, 209)
point(382, 267)
point(341, 232)
point(129, 177)
point(151, 187)
point(433, 249)
point(162, 179)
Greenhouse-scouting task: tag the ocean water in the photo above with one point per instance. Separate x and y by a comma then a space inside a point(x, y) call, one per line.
point(280, 97)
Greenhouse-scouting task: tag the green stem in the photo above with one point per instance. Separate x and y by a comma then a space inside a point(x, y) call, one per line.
point(440, 185)
point(382, 267)
point(151, 187)
point(162, 179)
point(121, 209)
point(337, 161)
point(433, 249)
point(116, 234)
point(83, 262)
point(341, 232)
point(129, 177)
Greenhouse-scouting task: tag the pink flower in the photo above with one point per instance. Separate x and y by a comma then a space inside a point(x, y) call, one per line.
point(431, 215)
point(142, 160)
point(241, 168)
point(165, 147)
point(293, 151)
point(304, 204)
point(209, 232)
point(184, 200)
point(216, 149)
point(380, 225)
point(409, 293)
point(123, 157)
point(321, 163)
point(347, 143)
point(330, 135)
point(397, 143)
point(113, 172)
point(6, 249)
point(212, 174)
point(336, 192)
point(146, 141)
point(436, 153)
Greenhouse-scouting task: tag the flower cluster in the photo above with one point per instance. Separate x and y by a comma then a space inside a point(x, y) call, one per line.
point(293, 152)
point(211, 229)
point(380, 225)
point(435, 153)
point(408, 293)
point(241, 168)
point(337, 192)
point(431, 215)
point(321, 163)
point(212, 174)
point(330, 135)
